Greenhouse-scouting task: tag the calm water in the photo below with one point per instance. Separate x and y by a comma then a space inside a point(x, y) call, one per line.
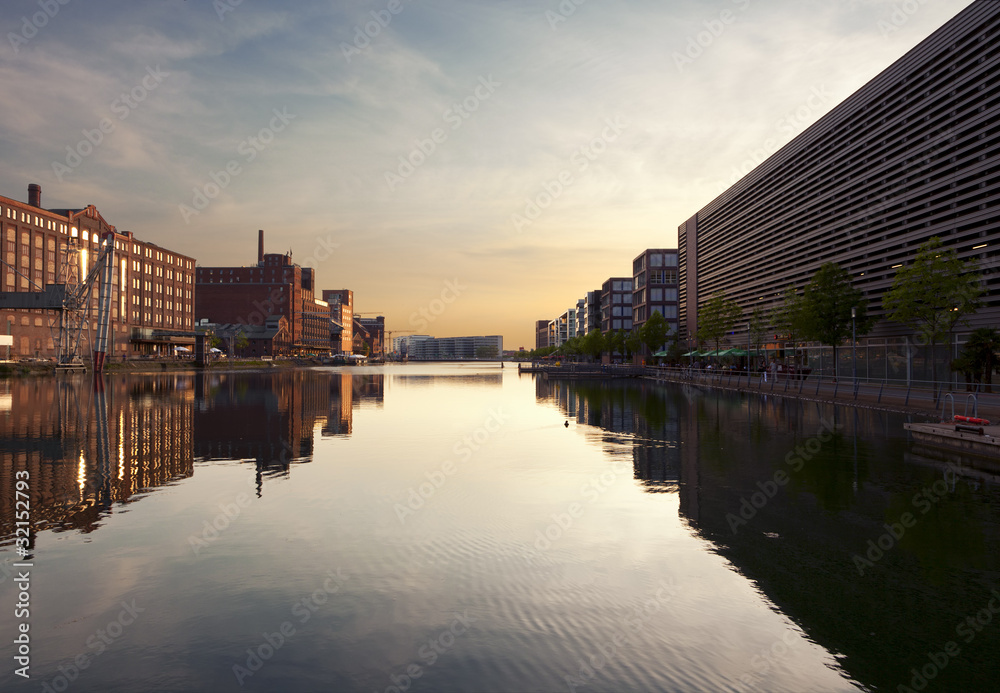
point(442, 528)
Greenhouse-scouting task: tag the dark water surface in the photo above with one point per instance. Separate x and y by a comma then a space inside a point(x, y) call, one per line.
point(441, 528)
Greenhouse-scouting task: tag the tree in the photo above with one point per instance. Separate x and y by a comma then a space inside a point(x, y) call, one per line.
point(241, 341)
point(486, 352)
point(759, 322)
point(981, 356)
point(654, 331)
point(826, 308)
point(632, 343)
point(593, 344)
point(788, 318)
point(717, 318)
point(934, 294)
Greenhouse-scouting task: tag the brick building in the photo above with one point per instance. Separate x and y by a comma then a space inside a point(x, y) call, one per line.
point(152, 295)
point(370, 332)
point(273, 286)
point(342, 314)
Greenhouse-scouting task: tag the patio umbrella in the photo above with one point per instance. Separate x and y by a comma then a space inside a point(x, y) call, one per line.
point(661, 353)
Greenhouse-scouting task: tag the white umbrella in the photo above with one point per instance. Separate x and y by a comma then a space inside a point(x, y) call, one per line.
point(180, 348)
point(215, 350)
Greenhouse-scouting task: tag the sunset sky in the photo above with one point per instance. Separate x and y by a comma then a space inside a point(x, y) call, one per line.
point(508, 156)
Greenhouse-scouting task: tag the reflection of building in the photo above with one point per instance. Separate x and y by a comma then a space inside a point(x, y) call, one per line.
point(79, 469)
point(643, 411)
point(273, 286)
point(152, 296)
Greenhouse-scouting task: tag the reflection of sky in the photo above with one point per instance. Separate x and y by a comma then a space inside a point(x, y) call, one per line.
point(472, 547)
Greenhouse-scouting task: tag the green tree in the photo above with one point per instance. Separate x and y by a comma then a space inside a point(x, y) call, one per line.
point(486, 352)
point(632, 343)
point(981, 356)
point(760, 320)
point(654, 331)
point(593, 344)
point(934, 294)
point(826, 308)
point(717, 318)
point(615, 342)
point(241, 340)
point(788, 319)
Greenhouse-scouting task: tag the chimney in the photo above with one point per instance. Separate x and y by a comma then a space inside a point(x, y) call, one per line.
point(260, 247)
point(34, 195)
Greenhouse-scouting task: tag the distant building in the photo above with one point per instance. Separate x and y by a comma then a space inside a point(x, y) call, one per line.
point(592, 309)
point(541, 334)
point(274, 286)
point(654, 286)
point(444, 348)
point(342, 314)
point(370, 332)
point(616, 304)
point(153, 295)
point(253, 341)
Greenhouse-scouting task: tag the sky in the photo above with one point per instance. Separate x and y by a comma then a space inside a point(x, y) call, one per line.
point(465, 167)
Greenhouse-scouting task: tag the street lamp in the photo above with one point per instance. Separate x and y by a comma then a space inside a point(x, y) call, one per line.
point(854, 346)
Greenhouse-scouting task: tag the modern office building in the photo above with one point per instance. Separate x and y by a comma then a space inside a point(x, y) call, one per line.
point(616, 304)
point(437, 348)
point(153, 294)
point(654, 281)
point(273, 286)
point(592, 309)
point(541, 334)
point(914, 153)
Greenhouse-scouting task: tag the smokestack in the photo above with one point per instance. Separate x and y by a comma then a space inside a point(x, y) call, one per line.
point(260, 246)
point(34, 195)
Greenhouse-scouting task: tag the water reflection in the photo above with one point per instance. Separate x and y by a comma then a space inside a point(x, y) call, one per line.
point(804, 542)
point(89, 451)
